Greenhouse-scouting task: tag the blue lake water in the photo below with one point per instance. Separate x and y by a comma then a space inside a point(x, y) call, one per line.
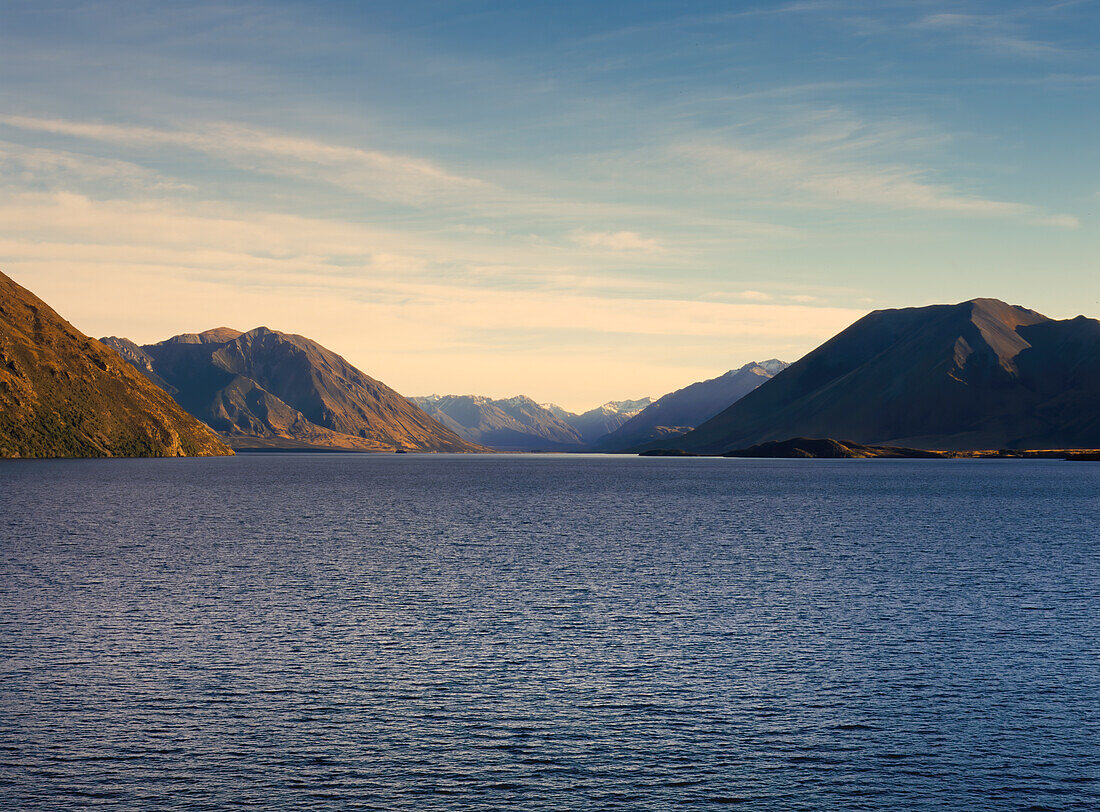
point(294, 631)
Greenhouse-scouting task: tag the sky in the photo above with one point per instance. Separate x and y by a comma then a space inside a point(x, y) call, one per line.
point(575, 201)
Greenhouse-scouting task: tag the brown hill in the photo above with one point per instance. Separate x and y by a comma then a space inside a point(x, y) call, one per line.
point(977, 375)
point(266, 389)
point(63, 394)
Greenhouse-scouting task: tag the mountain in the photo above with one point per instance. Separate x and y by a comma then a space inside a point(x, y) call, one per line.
point(595, 423)
point(977, 375)
point(684, 409)
point(266, 389)
point(139, 359)
point(512, 424)
point(63, 394)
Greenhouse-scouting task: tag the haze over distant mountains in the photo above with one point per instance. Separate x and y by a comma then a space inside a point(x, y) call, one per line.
point(266, 389)
point(686, 408)
point(977, 375)
point(521, 424)
point(63, 394)
point(981, 374)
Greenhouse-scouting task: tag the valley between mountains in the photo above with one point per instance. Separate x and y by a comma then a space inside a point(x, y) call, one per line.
point(980, 374)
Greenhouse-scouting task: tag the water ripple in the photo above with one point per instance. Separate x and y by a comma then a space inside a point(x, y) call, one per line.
point(549, 633)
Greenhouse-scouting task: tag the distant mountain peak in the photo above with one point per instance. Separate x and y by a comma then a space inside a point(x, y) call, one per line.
point(686, 408)
point(521, 423)
point(624, 406)
point(220, 334)
point(773, 366)
point(512, 424)
point(262, 331)
point(519, 400)
point(999, 307)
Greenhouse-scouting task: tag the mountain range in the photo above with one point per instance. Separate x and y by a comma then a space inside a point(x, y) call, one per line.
point(598, 422)
point(521, 424)
point(63, 394)
point(266, 389)
point(684, 409)
point(981, 374)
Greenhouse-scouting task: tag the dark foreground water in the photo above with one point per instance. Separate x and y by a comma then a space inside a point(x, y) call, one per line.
point(418, 632)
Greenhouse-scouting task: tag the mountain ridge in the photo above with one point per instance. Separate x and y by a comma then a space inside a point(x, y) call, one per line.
point(519, 423)
point(973, 375)
point(598, 422)
point(689, 406)
point(262, 387)
point(64, 394)
point(506, 424)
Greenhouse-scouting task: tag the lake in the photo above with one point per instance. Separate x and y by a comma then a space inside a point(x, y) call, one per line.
point(425, 632)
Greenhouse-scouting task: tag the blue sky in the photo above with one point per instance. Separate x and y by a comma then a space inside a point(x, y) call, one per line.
point(575, 201)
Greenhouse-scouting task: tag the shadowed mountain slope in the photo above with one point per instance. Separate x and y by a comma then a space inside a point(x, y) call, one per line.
point(684, 409)
point(63, 394)
point(139, 359)
point(980, 374)
point(269, 389)
point(511, 424)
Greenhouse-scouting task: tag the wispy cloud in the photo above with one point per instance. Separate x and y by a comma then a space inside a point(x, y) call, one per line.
point(543, 211)
point(689, 21)
point(629, 241)
point(755, 296)
point(1059, 221)
point(22, 166)
point(801, 176)
point(991, 33)
point(390, 178)
point(391, 304)
point(374, 173)
point(282, 253)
